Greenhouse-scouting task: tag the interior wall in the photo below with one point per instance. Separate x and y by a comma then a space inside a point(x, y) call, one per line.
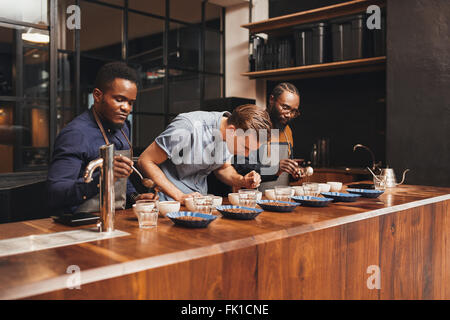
point(346, 109)
point(418, 95)
point(236, 56)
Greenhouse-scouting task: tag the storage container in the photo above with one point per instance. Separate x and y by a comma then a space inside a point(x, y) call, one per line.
point(348, 38)
point(311, 44)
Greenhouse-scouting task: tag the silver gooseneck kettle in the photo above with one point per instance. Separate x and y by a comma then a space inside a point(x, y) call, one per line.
point(387, 174)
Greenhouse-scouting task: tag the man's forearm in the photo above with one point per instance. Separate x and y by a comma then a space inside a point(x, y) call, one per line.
point(230, 177)
point(63, 194)
point(153, 171)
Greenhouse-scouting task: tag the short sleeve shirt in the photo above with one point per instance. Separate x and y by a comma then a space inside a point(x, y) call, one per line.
point(195, 148)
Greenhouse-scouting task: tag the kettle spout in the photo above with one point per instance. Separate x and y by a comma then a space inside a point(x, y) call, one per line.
point(403, 178)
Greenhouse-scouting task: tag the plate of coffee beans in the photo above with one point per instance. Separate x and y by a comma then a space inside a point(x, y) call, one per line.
point(238, 212)
point(191, 219)
point(277, 206)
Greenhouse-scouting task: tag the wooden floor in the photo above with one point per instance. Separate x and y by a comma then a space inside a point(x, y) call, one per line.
point(312, 253)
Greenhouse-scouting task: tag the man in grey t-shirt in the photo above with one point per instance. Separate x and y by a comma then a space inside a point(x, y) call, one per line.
point(198, 143)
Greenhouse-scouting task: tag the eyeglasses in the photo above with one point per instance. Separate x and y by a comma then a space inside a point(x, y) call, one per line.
point(287, 109)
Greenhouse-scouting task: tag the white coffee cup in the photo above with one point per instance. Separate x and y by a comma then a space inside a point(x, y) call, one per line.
point(298, 190)
point(324, 187)
point(234, 198)
point(168, 206)
point(270, 194)
point(335, 186)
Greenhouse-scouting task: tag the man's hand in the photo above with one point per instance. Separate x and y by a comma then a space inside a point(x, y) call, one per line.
point(122, 167)
point(252, 180)
point(183, 197)
point(290, 166)
point(147, 196)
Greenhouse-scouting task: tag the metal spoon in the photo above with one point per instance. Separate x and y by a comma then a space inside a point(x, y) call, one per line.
point(373, 174)
point(148, 183)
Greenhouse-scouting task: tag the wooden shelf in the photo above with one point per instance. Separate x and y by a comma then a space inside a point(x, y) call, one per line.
point(321, 70)
point(284, 23)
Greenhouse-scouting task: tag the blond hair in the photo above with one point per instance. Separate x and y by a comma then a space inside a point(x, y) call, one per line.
point(250, 116)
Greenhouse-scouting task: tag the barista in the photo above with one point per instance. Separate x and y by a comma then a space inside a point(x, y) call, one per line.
point(79, 142)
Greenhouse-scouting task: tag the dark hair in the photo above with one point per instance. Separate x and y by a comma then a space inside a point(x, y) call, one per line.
point(250, 116)
point(282, 87)
point(113, 70)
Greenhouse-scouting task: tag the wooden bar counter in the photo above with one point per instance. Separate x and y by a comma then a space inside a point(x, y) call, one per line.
point(311, 253)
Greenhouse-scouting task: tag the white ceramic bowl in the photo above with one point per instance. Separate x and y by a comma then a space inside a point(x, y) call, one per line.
point(270, 194)
point(234, 198)
point(189, 203)
point(299, 190)
point(168, 206)
point(335, 186)
point(324, 187)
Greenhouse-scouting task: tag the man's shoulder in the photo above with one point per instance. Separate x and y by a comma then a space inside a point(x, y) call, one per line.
point(288, 130)
point(195, 116)
point(77, 126)
point(289, 135)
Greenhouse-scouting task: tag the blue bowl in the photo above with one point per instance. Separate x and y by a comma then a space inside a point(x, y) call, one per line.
point(224, 210)
point(341, 197)
point(361, 186)
point(266, 205)
point(310, 201)
point(175, 217)
point(366, 193)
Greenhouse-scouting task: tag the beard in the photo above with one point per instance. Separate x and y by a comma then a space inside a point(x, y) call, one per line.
point(275, 118)
point(117, 126)
point(110, 124)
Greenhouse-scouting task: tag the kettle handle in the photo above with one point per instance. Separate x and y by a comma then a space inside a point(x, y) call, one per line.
point(403, 178)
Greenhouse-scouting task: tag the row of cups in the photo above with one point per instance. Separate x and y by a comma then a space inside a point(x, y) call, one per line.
point(147, 211)
point(285, 193)
point(307, 189)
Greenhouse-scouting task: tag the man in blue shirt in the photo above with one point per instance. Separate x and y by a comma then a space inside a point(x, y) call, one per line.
point(79, 142)
point(198, 143)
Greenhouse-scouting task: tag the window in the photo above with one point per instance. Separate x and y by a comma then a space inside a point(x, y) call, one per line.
point(177, 52)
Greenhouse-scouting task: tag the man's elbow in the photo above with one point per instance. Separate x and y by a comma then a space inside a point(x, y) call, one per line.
point(142, 161)
point(53, 198)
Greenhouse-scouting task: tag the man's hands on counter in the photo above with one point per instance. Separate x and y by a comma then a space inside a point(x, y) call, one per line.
point(251, 180)
point(147, 196)
point(290, 166)
point(184, 196)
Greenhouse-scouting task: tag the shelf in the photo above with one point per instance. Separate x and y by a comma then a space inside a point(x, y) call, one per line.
point(321, 70)
point(282, 24)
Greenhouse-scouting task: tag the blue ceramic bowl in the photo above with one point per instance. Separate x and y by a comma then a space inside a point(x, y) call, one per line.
point(361, 186)
point(266, 205)
point(366, 193)
point(310, 201)
point(224, 210)
point(341, 197)
point(175, 217)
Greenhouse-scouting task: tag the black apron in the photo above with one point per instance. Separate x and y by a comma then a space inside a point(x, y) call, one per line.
point(120, 185)
point(285, 152)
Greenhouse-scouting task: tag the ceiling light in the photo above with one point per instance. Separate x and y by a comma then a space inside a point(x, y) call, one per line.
point(35, 35)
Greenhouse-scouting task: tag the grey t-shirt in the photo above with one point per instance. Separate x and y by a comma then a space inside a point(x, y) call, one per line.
point(194, 148)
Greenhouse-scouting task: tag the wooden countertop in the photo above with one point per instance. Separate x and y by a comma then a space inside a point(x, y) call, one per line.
point(348, 170)
point(33, 273)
